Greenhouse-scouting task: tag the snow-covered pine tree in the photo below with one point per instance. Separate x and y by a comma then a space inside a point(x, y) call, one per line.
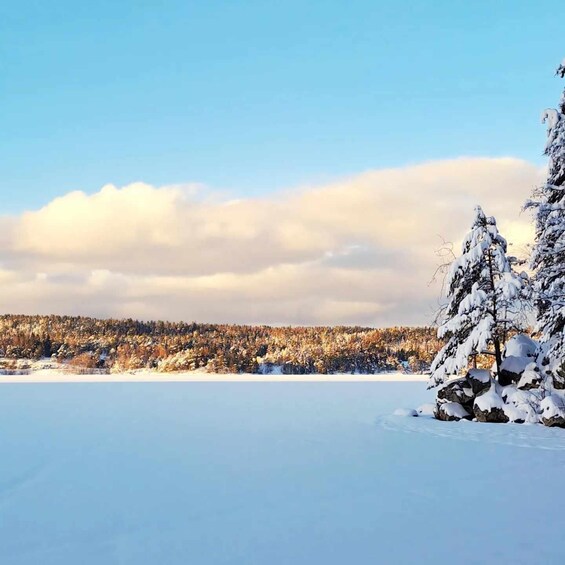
point(548, 256)
point(484, 300)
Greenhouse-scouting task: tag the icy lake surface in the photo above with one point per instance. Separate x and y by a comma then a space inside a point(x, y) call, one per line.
point(268, 473)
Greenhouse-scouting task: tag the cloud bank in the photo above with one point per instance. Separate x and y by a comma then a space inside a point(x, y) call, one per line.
point(357, 251)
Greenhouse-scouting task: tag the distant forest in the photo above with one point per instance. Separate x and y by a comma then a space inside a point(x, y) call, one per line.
point(122, 345)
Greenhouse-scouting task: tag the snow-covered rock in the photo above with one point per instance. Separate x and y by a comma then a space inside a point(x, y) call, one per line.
point(527, 402)
point(405, 412)
point(479, 379)
point(512, 368)
point(459, 391)
point(426, 409)
point(451, 411)
point(530, 378)
point(553, 411)
point(489, 406)
point(514, 414)
point(515, 364)
point(519, 352)
point(507, 393)
point(521, 345)
point(557, 370)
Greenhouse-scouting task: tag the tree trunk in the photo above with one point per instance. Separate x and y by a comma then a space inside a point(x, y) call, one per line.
point(496, 337)
point(498, 357)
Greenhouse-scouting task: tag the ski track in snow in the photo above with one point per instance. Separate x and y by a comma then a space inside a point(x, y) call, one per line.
point(531, 436)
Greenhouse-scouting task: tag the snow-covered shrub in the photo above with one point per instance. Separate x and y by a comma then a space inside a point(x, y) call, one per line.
point(83, 361)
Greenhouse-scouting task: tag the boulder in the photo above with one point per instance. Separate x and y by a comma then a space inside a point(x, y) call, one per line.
point(459, 391)
point(521, 345)
point(514, 414)
point(479, 379)
point(405, 412)
point(553, 411)
point(492, 415)
point(558, 382)
point(530, 378)
point(507, 392)
point(559, 377)
point(512, 368)
point(451, 412)
point(489, 407)
point(519, 352)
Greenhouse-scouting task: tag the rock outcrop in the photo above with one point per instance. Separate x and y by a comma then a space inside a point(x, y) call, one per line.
point(455, 399)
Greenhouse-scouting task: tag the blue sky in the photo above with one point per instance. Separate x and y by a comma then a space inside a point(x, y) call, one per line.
point(390, 120)
point(253, 96)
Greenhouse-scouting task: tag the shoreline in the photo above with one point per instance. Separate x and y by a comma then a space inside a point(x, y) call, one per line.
point(54, 377)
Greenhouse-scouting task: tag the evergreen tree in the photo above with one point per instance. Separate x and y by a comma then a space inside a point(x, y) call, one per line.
point(484, 300)
point(548, 257)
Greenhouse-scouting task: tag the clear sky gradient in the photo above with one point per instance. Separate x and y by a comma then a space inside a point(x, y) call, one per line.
point(251, 96)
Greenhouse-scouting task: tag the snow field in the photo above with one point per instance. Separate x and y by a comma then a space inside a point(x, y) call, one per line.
point(277, 473)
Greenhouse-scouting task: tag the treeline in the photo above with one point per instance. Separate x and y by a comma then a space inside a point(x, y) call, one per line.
point(121, 345)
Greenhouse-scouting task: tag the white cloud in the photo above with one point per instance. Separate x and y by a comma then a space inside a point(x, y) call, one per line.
point(360, 250)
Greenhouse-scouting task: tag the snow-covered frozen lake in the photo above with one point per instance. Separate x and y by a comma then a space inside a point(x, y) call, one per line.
point(268, 473)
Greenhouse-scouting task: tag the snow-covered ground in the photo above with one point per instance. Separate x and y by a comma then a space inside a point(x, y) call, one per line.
point(268, 473)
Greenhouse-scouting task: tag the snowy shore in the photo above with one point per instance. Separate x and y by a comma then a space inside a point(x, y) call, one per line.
point(53, 376)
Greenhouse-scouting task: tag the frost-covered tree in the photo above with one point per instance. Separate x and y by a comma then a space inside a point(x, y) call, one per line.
point(484, 300)
point(548, 256)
